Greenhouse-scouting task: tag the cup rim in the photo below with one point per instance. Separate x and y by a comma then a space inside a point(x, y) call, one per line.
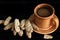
point(39, 6)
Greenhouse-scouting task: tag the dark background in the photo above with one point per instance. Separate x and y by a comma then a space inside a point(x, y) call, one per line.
point(23, 9)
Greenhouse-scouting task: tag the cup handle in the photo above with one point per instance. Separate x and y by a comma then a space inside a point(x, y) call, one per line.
point(56, 21)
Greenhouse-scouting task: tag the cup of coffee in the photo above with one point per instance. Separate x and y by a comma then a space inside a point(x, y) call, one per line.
point(45, 18)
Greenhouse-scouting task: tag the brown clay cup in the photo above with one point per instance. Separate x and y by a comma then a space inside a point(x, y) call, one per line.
point(45, 19)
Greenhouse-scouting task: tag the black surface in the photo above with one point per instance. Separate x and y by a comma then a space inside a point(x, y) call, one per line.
point(23, 9)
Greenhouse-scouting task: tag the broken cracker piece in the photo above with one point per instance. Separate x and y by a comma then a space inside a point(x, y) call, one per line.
point(48, 37)
point(22, 24)
point(35, 27)
point(28, 26)
point(7, 20)
point(8, 26)
point(1, 21)
point(17, 23)
point(28, 23)
point(29, 34)
point(14, 32)
point(20, 33)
